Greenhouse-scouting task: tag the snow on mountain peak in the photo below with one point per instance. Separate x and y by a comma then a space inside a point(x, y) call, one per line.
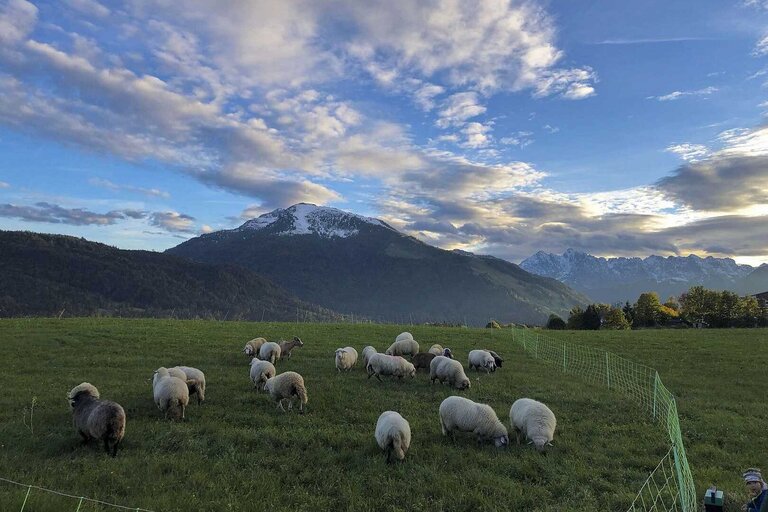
point(307, 219)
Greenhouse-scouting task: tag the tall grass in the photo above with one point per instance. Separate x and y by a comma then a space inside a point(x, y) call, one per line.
point(238, 452)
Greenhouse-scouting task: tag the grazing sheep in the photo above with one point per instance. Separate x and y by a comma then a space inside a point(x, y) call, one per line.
point(422, 359)
point(194, 378)
point(436, 349)
point(367, 352)
point(443, 369)
point(404, 336)
point(103, 420)
point(287, 346)
point(260, 372)
point(270, 351)
point(393, 434)
point(346, 358)
point(497, 360)
point(481, 359)
point(464, 415)
point(286, 386)
point(403, 347)
point(382, 364)
point(252, 347)
point(534, 420)
point(170, 393)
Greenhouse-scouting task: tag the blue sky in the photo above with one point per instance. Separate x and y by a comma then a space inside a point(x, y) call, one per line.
point(504, 128)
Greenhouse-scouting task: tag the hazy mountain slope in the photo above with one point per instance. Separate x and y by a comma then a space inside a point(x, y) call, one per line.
point(45, 274)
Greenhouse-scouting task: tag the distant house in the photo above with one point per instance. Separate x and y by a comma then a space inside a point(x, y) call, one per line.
point(762, 299)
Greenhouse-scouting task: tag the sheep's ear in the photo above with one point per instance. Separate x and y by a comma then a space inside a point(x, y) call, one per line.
point(550, 444)
point(530, 442)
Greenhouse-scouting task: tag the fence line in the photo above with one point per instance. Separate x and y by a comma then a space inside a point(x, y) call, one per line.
point(79, 498)
point(670, 485)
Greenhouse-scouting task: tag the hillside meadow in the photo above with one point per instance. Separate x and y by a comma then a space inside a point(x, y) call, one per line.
point(237, 452)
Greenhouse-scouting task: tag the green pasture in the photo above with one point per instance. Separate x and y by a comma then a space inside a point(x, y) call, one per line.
point(237, 452)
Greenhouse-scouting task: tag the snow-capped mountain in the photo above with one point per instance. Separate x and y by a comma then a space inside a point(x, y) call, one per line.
point(620, 279)
point(365, 267)
point(306, 219)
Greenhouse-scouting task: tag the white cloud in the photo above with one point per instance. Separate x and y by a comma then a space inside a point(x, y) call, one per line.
point(476, 135)
point(91, 7)
point(761, 48)
point(521, 139)
point(173, 221)
point(676, 95)
point(152, 192)
point(689, 152)
point(424, 96)
point(4, 185)
point(17, 19)
point(459, 107)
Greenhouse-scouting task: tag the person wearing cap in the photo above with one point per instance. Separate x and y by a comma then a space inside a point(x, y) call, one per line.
point(758, 491)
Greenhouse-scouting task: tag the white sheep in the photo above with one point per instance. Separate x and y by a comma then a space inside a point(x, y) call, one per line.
point(252, 347)
point(270, 351)
point(404, 336)
point(93, 418)
point(393, 434)
point(170, 393)
point(403, 347)
point(367, 352)
point(464, 415)
point(444, 369)
point(382, 364)
point(534, 420)
point(481, 359)
point(260, 372)
point(194, 378)
point(284, 387)
point(436, 349)
point(346, 358)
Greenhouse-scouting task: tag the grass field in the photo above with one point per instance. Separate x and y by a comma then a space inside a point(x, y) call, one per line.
point(237, 452)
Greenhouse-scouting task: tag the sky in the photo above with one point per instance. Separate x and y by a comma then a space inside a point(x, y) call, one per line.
point(497, 127)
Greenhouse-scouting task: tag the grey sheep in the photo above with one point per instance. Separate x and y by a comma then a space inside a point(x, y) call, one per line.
point(93, 418)
point(461, 414)
point(448, 370)
point(287, 346)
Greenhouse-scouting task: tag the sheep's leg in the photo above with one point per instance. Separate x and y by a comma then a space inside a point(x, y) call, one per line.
point(182, 412)
point(280, 405)
point(379, 377)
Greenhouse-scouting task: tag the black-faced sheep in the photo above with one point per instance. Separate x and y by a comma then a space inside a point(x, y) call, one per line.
point(534, 420)
point(461, 414)
point(103, 420)
point(286, 386)
point(393, 435)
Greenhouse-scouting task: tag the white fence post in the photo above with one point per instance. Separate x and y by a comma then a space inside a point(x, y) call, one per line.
point(607, 369)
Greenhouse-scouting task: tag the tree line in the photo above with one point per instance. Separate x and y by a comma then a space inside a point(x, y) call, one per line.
point(698, 307)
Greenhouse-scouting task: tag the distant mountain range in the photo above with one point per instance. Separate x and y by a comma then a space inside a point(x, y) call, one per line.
point(613, 280)
point(363, 266)
point(52, 274)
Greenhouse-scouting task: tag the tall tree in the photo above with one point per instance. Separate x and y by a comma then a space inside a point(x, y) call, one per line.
point(616, 320)
point(647, 309)
point(591, 319)
point(576, 318)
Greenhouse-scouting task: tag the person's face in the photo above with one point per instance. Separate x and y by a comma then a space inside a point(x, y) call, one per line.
point(754, 488)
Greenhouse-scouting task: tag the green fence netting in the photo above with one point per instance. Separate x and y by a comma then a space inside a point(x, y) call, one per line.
point(670, 485)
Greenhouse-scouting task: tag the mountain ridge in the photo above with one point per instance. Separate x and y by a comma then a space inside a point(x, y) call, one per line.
point(621, 279)
point(359, 265)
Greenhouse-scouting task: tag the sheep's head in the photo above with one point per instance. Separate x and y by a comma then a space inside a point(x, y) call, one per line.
point(501, 441)
point(79, 390)
point(447, 353)
point(463, 383)
point(248, 350)
point(541, 443)
point(490, 365)
point(268, 384)
point(298, 341)
point(412, 371)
